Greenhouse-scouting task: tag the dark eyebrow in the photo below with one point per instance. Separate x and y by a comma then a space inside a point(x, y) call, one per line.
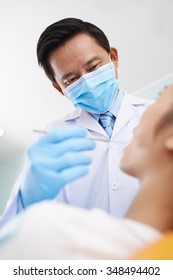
point(91, 60)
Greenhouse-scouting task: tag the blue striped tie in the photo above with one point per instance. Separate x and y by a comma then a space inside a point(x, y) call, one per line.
point(107, 122)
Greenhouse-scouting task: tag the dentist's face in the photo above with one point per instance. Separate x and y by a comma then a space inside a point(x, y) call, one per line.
point(78, 56)
point(146, 151)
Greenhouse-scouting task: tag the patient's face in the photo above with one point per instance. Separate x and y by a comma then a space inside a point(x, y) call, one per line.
point(146, 149)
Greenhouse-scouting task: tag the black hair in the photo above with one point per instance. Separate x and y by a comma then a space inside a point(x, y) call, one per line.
point(61, 31)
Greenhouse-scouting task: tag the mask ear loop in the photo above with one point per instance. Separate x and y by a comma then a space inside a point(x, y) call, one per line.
point(115, 70)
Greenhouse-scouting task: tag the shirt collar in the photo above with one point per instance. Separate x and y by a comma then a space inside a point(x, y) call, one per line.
point(115, 106)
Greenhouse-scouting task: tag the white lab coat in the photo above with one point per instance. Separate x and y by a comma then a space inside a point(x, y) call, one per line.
point(105, 186)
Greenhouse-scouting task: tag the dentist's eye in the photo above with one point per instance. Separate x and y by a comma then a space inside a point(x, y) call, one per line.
point(71, 81)
point(93, 68)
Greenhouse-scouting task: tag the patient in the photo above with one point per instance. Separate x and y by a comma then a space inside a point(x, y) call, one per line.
point(49, 230)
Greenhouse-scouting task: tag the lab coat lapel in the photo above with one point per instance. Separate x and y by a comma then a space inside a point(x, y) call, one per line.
point(125, 114)
point(84, 119)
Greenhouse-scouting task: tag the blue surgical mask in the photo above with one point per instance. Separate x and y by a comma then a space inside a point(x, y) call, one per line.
point(94, 92)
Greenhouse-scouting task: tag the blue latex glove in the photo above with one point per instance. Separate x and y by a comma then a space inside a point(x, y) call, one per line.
point(53, 161)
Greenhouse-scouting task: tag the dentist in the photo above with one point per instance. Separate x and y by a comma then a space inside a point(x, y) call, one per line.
point(78, 60)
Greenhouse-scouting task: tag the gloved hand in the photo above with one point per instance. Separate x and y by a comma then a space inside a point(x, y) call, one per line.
point(53, 161)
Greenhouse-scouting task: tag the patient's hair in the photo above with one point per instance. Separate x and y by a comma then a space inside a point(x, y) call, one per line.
point(60, 32)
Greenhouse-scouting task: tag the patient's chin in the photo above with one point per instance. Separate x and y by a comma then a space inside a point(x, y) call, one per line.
point(124, 166)
point(127, 168)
